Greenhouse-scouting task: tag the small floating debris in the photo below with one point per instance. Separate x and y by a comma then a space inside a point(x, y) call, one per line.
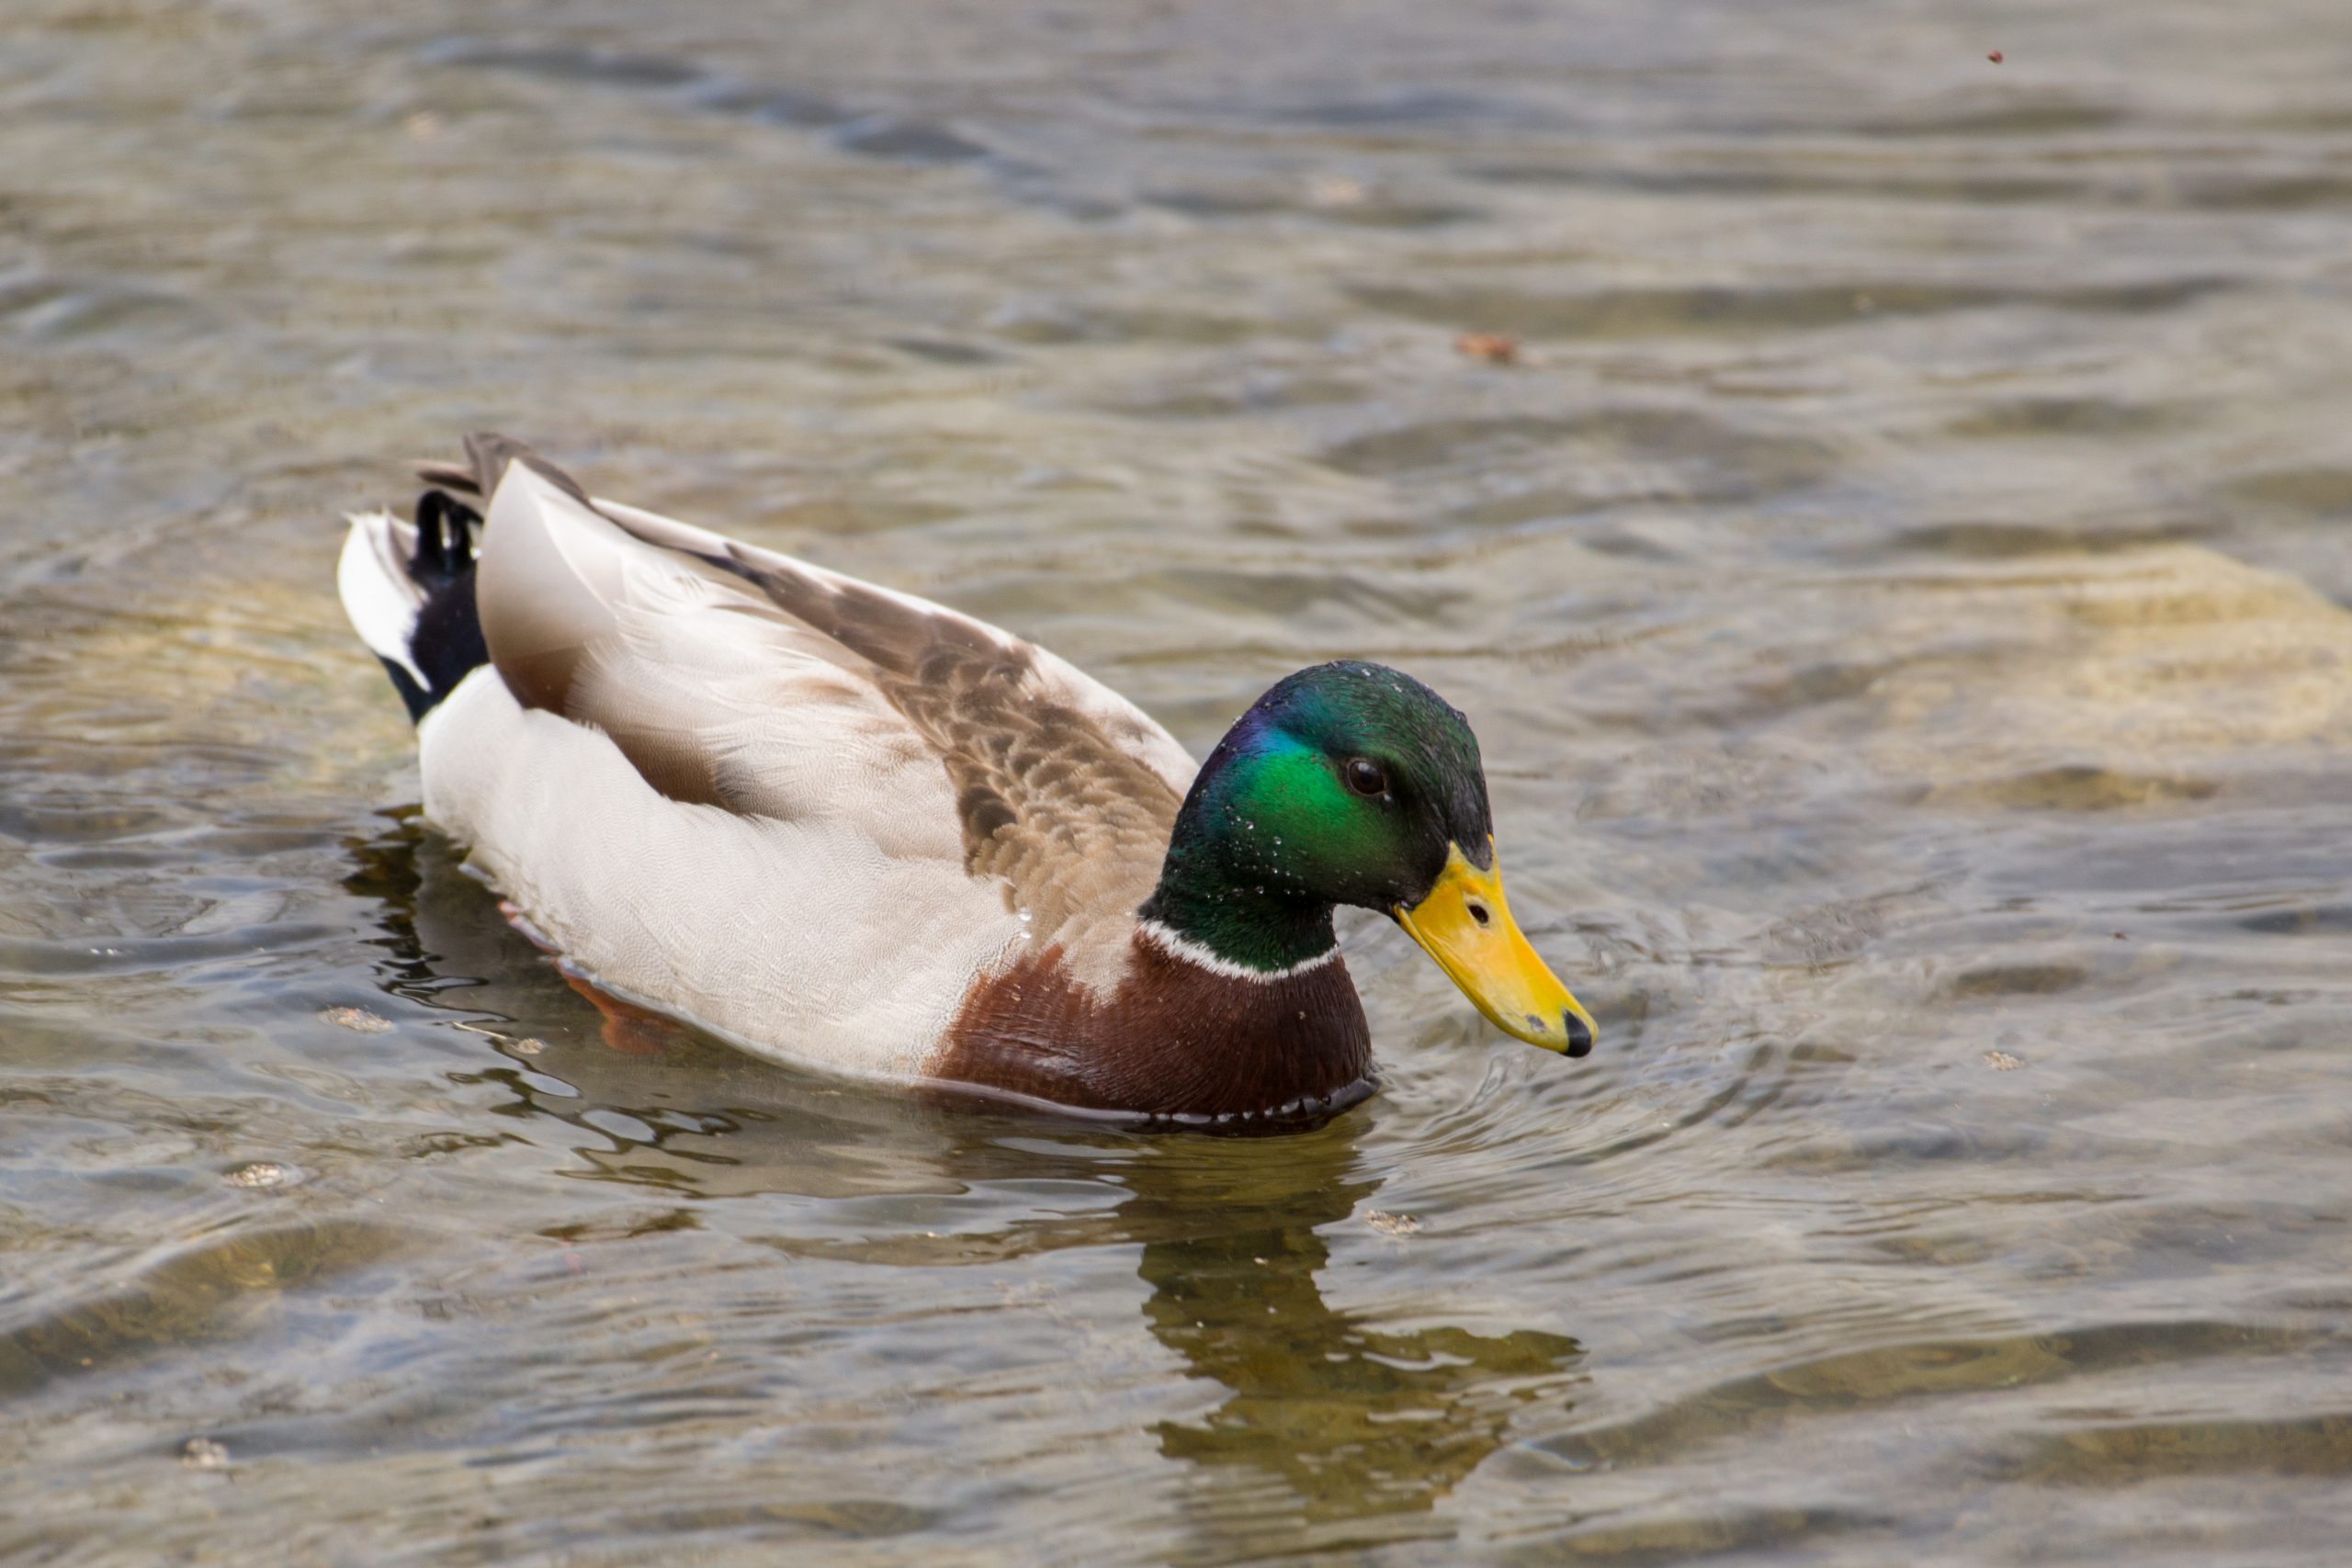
point(1995, 56)
point(2002, 1062)
point(521, 1044)
point(260, 1175)
point(1493, 347)
point(203, 1453)
point(357, 1020)
point(1391, 1225)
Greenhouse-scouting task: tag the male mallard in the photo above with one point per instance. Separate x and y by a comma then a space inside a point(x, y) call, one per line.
point(844, 826)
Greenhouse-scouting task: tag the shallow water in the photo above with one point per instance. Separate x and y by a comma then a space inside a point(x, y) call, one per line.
point(1900, 592)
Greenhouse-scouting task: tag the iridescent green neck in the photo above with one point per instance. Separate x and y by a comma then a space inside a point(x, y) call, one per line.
point(1231, 884)
point(1239, 925)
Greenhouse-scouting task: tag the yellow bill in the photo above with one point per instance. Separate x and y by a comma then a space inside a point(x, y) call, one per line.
point(1465, 924)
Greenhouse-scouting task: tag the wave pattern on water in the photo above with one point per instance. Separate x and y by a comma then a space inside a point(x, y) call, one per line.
point(1899, 580)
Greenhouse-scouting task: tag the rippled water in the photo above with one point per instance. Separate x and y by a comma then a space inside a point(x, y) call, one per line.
point(1900, 589)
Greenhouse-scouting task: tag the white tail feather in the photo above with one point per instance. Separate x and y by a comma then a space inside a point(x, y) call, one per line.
point(377, 593)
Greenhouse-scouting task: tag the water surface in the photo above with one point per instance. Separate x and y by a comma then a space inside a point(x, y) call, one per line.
point(1900, 591)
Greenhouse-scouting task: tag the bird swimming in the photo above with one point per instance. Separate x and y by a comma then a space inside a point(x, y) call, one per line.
point(846, 827)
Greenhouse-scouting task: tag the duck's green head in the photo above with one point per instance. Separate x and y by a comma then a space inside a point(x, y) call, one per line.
point(1353, 784)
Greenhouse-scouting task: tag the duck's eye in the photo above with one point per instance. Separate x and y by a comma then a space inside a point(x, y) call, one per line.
point(1366, 776)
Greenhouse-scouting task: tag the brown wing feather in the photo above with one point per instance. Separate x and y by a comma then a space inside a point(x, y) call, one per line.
point(1047, 798)
point(1074, 822)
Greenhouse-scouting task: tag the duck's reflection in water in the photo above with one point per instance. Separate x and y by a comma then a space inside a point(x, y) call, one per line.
point(1327, 1418)
point(1350, 1417)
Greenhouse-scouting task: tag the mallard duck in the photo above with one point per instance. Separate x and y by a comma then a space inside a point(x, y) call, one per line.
point(843, 826)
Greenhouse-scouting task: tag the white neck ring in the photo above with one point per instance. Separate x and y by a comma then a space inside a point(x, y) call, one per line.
point(1203, 957)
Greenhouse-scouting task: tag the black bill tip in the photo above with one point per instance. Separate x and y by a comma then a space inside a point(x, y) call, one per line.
point(1580, 1034)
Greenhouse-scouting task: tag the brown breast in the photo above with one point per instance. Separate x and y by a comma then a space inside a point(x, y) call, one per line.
point(1173, 1040)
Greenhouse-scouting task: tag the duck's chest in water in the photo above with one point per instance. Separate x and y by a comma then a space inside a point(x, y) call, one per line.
point(1172, 1039)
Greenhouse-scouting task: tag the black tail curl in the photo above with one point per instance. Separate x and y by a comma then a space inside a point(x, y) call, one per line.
point(447, 531)
point(447, 643)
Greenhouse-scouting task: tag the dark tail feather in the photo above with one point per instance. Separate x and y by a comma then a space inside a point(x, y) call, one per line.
point(409, 588)
point(447, 643)
point(412, 599)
